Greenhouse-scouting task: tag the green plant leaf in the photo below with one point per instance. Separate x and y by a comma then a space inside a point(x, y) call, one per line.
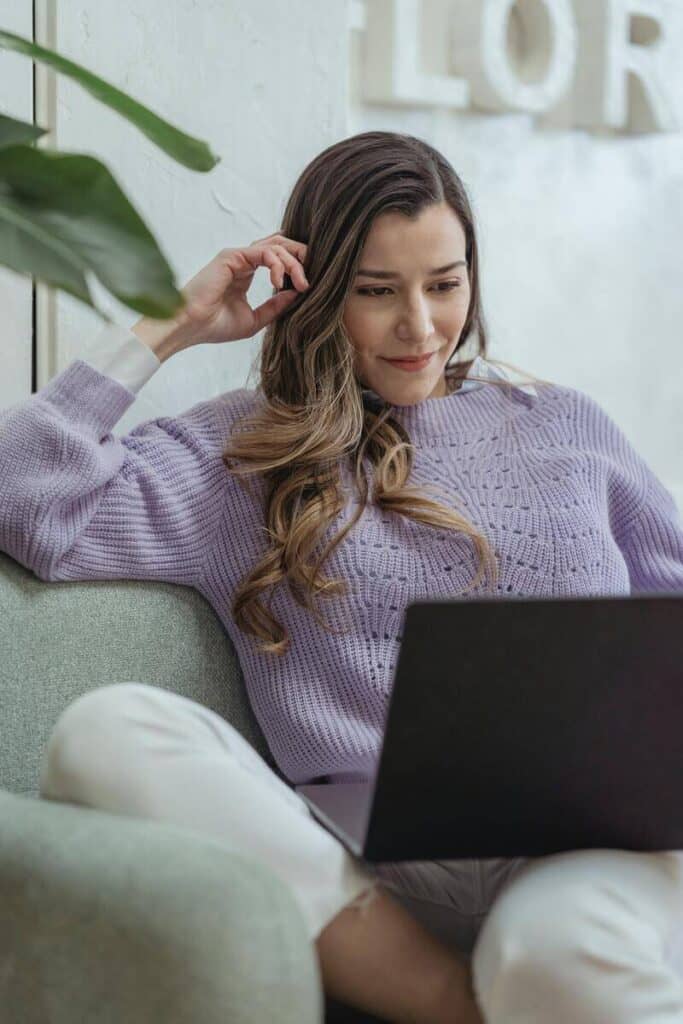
point(64, 214)
point(13, 132)
point(185, 149)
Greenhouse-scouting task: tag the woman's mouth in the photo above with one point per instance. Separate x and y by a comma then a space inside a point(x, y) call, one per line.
point(412, 365)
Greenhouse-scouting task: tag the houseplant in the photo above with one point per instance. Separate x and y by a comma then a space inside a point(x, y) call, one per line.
point(63, 215)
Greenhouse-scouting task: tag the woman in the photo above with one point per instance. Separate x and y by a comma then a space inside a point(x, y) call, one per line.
point(342, 444)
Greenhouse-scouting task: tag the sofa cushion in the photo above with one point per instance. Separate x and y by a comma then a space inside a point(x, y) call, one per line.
point(107, 918)
point(59, 640)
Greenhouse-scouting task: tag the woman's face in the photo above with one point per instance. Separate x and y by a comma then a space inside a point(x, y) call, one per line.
point(407, 310)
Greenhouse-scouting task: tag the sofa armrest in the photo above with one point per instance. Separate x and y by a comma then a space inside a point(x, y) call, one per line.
point(119, 919)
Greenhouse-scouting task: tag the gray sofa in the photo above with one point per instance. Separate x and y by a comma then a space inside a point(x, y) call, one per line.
point(111, 919)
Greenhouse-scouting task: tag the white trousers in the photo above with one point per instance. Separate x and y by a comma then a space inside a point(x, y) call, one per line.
point(585, 937)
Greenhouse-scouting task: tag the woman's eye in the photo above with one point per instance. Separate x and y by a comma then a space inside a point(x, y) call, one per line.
point(442, 286)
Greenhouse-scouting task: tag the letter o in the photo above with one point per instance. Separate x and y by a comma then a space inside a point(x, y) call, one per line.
point(480, 52)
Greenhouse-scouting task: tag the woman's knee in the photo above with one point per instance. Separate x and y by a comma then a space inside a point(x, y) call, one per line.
point(562, 926)
point(89, 738)
point(532, 936)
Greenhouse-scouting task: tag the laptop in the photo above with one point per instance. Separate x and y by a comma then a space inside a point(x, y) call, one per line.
point(522, 727)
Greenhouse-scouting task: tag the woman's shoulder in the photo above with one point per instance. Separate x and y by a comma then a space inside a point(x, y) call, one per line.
point(580, 402)
point(239, 400)
point(226, 408)
point(559, 395)
point(522, 381)
point(583, 419)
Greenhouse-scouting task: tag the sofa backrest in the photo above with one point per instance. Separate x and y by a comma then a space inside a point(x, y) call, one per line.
point(59, 640)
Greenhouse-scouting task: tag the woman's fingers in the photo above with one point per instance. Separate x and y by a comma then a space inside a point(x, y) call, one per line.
point(289, 257)
point(274, 261)
point(298, 248)
point(280, 262)
point(268, 310)
point(291, 265)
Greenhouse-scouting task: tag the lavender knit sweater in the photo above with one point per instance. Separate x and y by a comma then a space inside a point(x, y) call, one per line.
point(568, 504)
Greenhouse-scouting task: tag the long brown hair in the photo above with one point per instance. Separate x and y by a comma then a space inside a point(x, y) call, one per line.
point(315, 416)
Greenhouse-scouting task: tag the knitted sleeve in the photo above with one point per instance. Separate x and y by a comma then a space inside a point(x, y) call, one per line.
point(644, 517)
point(78, 502)
point(652, 545)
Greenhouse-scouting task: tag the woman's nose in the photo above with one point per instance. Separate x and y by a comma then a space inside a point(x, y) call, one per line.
point(416, 322)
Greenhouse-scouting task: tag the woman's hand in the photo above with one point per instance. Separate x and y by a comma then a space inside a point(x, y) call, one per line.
point(216, 308)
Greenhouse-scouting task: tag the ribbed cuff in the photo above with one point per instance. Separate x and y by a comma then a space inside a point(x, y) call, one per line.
point(86, 396)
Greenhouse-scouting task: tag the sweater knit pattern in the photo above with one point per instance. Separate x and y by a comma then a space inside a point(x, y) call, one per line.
point(567, 503)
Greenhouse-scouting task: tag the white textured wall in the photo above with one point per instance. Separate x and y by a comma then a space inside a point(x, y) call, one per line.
point(16, 100)
point(581, 236)
point(263, 82)
point(580, 227)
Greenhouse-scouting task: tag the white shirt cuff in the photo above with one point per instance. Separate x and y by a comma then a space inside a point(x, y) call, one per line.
point(120, 354)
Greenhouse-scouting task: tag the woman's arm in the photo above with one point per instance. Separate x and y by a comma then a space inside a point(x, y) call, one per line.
point(652, 545)
point(643, 516)
point(77, 502)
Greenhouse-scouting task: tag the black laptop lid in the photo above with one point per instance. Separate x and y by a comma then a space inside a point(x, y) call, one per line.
point(521, 727)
